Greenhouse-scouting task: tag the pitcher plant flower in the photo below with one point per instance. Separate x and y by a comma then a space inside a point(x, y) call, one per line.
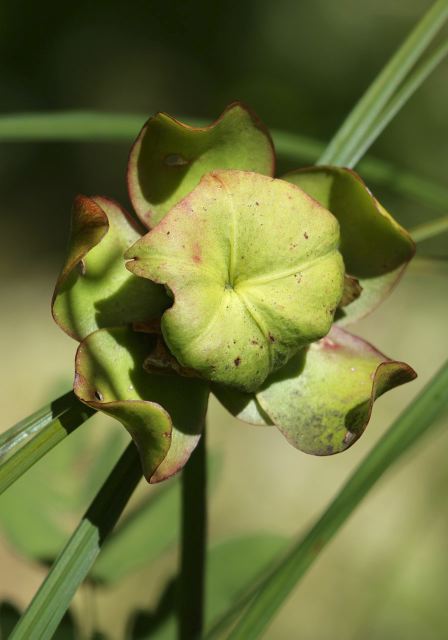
point(233, 282)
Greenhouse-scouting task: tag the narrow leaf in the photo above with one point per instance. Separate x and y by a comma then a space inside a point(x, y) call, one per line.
point(344, 144)
point(398, 100)
point(429, 229)
point(87, 126)
point(148, 531)
point(406, 431)
point(50, 519)
point(15, 437)
point(45, 432)
point(74, 562)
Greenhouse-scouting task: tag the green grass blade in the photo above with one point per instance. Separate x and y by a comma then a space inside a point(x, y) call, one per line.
point(398, 100)
point(358, 123)
point(148, 531)
point(39, 434)
point(421, 190)
point(21, 432)
point(404, 433)
point(74, 562)
point(298, 149)
point(429, 229)
point(72, 126)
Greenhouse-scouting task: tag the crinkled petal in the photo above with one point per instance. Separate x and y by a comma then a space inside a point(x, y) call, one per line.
point(94, 289)
point(164, 414)
point(375, 248)
point(322, 399)
point(169, 158)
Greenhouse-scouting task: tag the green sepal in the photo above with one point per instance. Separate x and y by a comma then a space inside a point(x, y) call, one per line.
point(169, 158)
point(322, 399)
point(375, 248)
point(255, 272)
point(164, 414)
point(94, 289)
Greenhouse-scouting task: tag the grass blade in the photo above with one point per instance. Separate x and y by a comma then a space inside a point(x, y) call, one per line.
point(74, 562)
point(345, 143)
point(20, 433)
point(399, 99)
point(72, 126)
point(404, 433)
point(429, 229)
point(32, 438)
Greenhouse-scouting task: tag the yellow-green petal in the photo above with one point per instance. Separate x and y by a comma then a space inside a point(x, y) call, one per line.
point(169, 158)
point(94, 289)
point(375, 248)
point(255, 272)
point(322, 399)
point(164, 414)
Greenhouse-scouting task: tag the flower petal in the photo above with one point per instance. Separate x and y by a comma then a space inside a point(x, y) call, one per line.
point(164, 414)
point(374, 246)
point(322, 399)
point(243, 406)
point(253, 265)
point(94, 289)
point(169, 158)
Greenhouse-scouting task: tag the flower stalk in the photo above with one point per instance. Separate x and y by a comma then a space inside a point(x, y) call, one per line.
point(191, 588)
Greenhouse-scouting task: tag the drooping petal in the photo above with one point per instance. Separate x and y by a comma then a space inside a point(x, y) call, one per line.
point(164, 414)
point(243, 406)
point(95, 289)
point(254, 269)
point(375, 248)
point(169, 158)
point(322, 399)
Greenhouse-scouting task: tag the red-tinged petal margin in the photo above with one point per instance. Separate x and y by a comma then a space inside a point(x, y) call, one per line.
point(323, 398)
point(375, 248)
point(169, 158)
point(164, 414)
point(94, 289)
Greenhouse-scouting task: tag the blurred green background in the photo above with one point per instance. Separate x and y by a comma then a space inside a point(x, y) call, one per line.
point(300, 65)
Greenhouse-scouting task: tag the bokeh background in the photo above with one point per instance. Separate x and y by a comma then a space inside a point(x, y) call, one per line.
point(301, 65)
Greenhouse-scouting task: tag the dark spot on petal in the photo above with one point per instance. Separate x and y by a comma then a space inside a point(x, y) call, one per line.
point(271, 337)
point(305, 235)
point(237, 362)
point(175, 160)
